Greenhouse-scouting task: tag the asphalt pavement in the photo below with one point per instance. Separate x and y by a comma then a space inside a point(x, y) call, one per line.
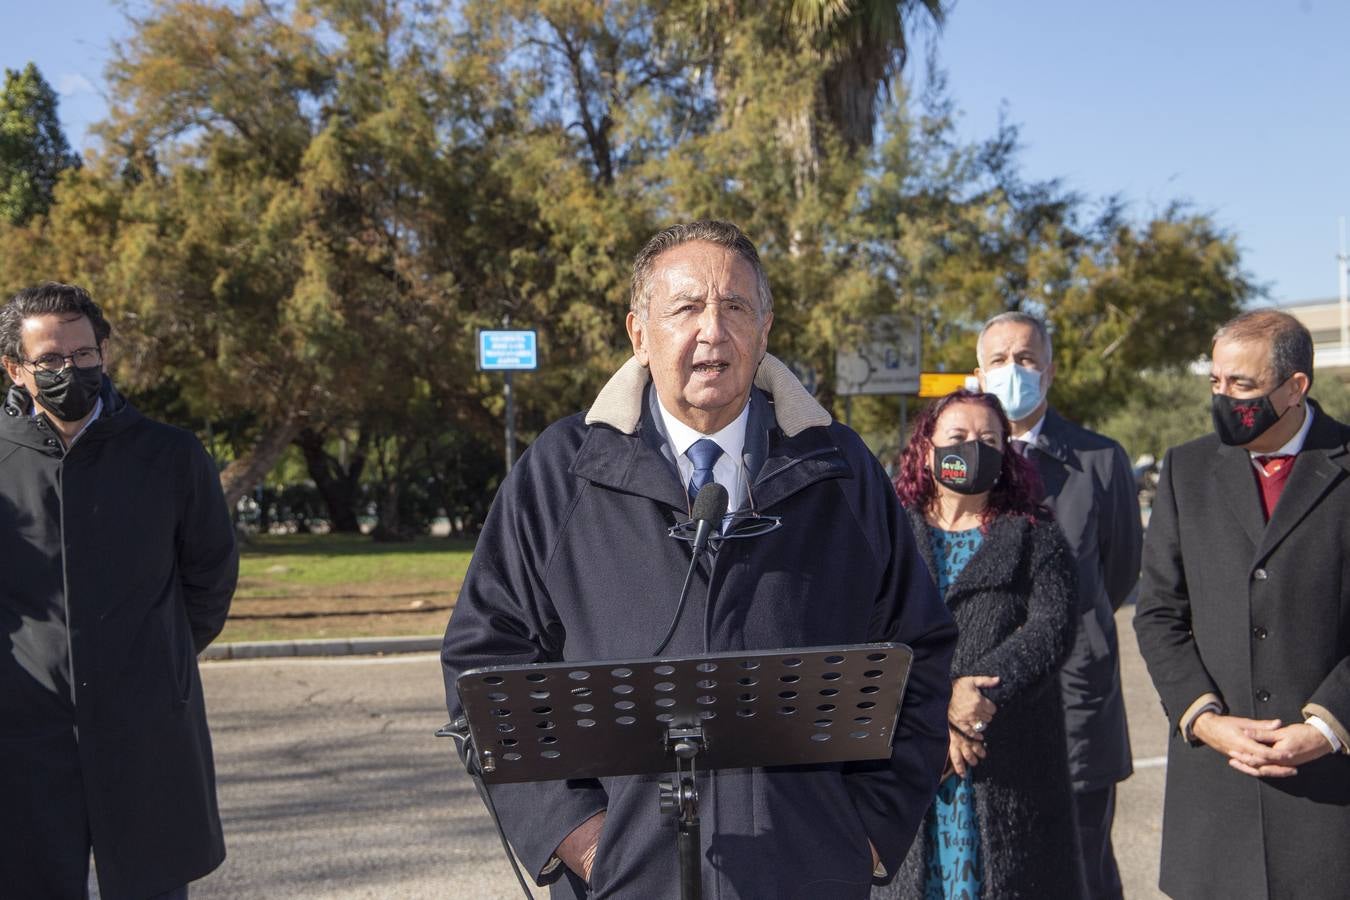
point(332, 784)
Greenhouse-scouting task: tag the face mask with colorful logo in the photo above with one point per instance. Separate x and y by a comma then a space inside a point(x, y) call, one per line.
point(1016, 387)
point(1240, 421)
point(970, 467)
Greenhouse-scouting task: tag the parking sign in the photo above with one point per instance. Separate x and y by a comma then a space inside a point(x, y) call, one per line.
point(510, 351)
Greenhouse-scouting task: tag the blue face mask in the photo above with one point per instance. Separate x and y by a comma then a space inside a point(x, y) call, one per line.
point(1016, 387)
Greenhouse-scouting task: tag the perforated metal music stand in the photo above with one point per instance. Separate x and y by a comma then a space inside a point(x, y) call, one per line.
point(553, 721)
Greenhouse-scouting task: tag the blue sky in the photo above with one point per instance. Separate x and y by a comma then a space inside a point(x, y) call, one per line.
point(1240, 106)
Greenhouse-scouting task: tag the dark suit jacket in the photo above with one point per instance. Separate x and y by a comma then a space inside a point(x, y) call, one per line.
point(1090, 488)
point(1260, 615)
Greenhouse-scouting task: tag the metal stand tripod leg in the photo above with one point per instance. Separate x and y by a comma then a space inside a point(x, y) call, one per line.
point(679, 796)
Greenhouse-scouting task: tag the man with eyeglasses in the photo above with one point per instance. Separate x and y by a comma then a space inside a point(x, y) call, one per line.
point(583, 554)
point(119, 565)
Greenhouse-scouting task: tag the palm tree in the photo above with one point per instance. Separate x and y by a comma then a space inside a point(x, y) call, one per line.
point(861, 44)
point(864, 44)
point(857, 47)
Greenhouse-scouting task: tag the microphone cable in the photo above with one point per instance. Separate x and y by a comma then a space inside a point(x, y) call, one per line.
point(709, 507)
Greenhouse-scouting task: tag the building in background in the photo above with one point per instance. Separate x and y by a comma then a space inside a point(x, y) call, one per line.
point(1323, 319)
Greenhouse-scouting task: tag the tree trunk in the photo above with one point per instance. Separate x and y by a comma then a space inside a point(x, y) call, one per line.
point(336, 485)
point(244, 474)
point(389, 528)
point(849, 101)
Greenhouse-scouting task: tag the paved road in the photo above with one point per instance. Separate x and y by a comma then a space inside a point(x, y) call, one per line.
point(332, 786)
point(1138, 830)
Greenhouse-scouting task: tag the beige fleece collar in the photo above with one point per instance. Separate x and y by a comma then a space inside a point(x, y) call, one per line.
point(619, 403)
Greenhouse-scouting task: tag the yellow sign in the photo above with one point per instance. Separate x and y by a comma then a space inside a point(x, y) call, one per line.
point(940, 384)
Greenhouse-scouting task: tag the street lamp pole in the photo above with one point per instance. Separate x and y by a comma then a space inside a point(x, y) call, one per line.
point(1343, 264)
point(510, 421)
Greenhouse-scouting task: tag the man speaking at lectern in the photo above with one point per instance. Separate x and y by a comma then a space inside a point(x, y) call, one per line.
point(576, 562)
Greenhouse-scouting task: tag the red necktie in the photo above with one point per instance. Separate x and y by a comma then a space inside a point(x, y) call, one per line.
point(1274, 473)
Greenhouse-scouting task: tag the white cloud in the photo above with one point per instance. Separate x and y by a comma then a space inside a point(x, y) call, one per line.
point(68, 84)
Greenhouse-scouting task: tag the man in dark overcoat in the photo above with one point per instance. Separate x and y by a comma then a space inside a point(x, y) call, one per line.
point(119, 565)
point(576, 562)
point(1091, 490)
point(1244, 622)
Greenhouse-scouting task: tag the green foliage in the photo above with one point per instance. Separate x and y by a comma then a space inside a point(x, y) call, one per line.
point(1333, 394)
point(303, 212)
point(33, 149)
point(956, 236)
point(1165, 410)
point(1144, 298)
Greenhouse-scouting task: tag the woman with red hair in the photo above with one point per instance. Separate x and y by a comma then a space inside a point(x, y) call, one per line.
point(1002, 823)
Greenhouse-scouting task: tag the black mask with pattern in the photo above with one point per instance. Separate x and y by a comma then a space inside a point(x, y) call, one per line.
point(970, 467)
point(1238, 422)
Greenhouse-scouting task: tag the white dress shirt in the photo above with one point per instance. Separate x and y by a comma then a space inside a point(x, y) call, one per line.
point(1295, 444)
point(728, 471)
point(93, 417)
point(1032, 433)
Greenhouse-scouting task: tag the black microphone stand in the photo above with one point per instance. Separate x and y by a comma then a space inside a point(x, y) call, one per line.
point(679, 797)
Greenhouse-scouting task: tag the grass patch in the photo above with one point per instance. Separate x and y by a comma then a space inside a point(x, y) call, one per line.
point(318, 586)
point(308, 564)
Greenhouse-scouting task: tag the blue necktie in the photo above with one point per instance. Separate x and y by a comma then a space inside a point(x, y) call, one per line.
point(703, 454)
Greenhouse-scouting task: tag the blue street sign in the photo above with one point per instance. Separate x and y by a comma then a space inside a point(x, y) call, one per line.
point(507, 351)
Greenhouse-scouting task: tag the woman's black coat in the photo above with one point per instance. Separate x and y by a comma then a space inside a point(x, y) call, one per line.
point(1014, 605)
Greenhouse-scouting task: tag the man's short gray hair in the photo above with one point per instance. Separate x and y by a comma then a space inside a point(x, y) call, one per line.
point(1017, 317)
point(710, 231)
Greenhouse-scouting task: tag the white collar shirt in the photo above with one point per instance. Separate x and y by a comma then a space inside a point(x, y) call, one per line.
point(93, 417)
point(1033, 433)
point(1295, 444)
point(728, 470)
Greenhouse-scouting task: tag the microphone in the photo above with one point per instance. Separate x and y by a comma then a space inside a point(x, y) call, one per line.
point(709, 507)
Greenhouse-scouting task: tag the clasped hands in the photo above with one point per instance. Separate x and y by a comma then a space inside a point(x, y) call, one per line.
point(1261, 748)
point(968, 715)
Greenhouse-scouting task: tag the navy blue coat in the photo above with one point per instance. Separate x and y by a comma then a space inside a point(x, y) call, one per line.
point(574, 564)
point(1091, 490)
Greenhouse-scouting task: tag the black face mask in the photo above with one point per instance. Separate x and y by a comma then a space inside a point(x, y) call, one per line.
point(1239, 422)
point(971, 467)
point(71, 393)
